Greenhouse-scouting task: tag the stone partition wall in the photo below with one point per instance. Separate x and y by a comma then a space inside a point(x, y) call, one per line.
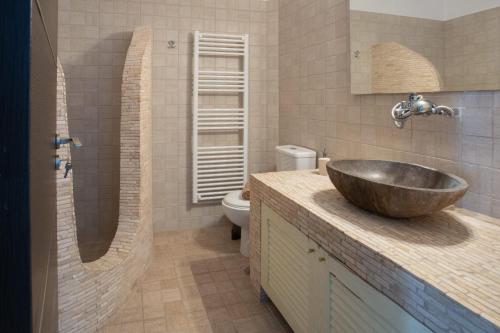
point(90, 292)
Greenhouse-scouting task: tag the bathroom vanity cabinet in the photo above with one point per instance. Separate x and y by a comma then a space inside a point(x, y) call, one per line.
point(385, 275)
point(317, 293)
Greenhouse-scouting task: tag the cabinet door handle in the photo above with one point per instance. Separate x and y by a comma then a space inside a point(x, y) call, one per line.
point(321, 259)
point(311, 251)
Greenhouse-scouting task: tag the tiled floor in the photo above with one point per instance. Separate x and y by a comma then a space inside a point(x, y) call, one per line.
point(196, 283)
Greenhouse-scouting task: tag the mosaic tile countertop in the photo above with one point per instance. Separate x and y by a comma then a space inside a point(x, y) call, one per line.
point(443, 269)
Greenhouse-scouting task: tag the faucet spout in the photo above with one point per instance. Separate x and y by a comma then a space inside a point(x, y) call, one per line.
point(444, 110)
point(399, 124)
point(75, 141)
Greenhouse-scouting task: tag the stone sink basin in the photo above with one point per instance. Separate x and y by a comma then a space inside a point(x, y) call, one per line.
point(395, 189)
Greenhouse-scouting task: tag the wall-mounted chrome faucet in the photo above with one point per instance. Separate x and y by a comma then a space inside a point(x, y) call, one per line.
point(417, 105)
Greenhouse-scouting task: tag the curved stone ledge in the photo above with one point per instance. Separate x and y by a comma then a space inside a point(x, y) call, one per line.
point(398, 69)
point(89, 293)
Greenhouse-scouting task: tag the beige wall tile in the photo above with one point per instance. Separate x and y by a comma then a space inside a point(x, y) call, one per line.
point(360, 126)
point(93, 43)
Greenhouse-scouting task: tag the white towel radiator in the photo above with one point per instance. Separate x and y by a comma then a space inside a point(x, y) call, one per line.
point(218, 170)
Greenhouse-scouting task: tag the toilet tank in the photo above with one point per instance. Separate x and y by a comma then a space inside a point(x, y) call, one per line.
point(290, 157)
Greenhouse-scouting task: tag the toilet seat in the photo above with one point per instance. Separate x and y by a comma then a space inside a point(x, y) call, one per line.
point(237, 211)
point(233, 199)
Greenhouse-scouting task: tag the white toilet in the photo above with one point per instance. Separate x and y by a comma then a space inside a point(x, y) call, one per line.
point(237, 210)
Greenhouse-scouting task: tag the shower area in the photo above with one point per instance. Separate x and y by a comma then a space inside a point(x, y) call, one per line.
point(93, 72)
point(92, 285)
point(107, 215)
point(93, 41)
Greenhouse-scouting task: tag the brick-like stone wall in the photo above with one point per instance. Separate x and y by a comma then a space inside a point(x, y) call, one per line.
point(396, 68)
point(89, 293)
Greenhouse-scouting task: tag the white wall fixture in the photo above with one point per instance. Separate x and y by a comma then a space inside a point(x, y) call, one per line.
point(218, 170)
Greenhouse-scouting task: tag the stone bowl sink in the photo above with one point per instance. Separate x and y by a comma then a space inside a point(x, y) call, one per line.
point(395, 189)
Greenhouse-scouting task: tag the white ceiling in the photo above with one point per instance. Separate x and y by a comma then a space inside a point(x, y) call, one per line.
point(441, 10)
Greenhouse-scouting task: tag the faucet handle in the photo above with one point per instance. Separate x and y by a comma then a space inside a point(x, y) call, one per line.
point(414, 97)
point(67, 168)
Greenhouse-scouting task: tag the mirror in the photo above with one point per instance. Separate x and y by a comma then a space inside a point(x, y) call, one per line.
point(403, 46)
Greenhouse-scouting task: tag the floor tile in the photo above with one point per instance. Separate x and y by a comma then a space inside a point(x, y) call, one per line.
point(155, 326)
point(197, 283)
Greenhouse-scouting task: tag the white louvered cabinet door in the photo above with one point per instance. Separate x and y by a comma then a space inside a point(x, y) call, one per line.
point(287, 270)
point(355, 306)
point(316, 293)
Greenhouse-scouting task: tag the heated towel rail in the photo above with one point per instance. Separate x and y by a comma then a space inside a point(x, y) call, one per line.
point(218, 170)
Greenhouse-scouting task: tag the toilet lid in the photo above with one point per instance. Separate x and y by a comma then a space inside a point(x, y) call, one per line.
point(234, 199)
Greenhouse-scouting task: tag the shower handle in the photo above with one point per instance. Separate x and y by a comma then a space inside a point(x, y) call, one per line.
point(67, 168)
